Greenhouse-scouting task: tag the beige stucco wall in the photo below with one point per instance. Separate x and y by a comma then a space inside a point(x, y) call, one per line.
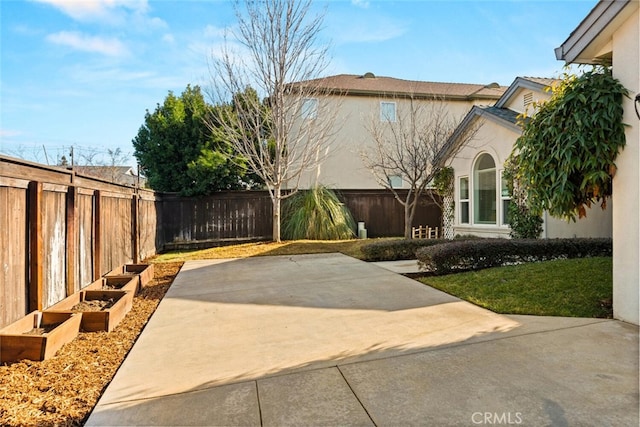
point(517, 103)
point(343, 167)
point(497, 140)
point(626, 183)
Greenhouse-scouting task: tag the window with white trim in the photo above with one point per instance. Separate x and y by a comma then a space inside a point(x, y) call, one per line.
point(387, 111)
point(505, 199)
point(484, 190)
point(309, 108)
point(464, 200)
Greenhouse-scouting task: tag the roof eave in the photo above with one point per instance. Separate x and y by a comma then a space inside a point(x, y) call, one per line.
point(585, 42)
point(518, 83)
point(473, 114)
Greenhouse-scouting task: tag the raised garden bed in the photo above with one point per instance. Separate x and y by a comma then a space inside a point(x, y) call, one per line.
point(143, 271)
point(115, 283)
point(38, 335)
point(101, 310)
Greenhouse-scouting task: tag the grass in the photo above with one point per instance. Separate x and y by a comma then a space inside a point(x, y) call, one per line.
point(573, 288)
point(293, 247)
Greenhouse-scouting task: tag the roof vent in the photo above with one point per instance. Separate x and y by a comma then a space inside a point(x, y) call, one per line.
point(369, 75)
point(493, 85)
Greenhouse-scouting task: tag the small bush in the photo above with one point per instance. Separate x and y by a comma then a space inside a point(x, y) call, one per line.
point(478, 254)
point(397, 250)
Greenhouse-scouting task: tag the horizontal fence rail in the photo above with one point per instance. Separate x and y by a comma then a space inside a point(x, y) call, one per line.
point(61, 230)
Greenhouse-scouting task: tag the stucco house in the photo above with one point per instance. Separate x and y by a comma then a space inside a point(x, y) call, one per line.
point(610, 34)
point(355, 100)
point(481, 198)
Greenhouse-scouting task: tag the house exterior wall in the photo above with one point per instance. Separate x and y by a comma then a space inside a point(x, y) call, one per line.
point(517, 102)
point(343, 167)
point(626, 183)
point(497, 140)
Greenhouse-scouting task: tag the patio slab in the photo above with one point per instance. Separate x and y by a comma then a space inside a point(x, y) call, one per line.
point(327, 339)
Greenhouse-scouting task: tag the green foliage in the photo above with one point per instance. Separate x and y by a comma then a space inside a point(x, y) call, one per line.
point(443, 181)
point(485, 253)
point(178, 153)
point(316, 214)
point(568, 287)
point(398, 249)
point(523, 222)
point(565, 158)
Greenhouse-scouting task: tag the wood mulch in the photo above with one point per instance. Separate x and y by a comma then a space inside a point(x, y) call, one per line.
point(63, 390)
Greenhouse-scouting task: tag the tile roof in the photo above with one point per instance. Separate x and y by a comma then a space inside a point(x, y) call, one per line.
point(371, 85)
point(503, 113)
point(542, 80)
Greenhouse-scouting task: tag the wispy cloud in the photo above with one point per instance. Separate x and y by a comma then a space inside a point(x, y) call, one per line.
point(373, 29)
point(8, 133)
point(360, 3)
point(87, 43)
point(110, 12)
point(96, 10)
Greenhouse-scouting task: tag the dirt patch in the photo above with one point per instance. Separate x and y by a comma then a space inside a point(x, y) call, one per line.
point(44, 329)
point(63, 390)
point(94, 305)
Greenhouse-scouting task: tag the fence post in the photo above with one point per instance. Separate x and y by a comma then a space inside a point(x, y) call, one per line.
point(134, 227)
point(97, 230)
point(71, 239)
point(36, 246)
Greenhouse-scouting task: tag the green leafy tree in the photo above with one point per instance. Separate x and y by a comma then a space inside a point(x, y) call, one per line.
point(565, 158)
point(178, 153)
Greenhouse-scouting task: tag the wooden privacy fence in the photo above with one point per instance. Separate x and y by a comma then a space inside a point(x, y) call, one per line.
point(60, 231)
point(234, 216)
point(383, 215)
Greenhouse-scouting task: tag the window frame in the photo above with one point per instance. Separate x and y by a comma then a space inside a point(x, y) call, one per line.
point(464, 203)
point(386, 118)
point(504, 197)
point(394, 180)
point(476, 182)
point(309, 112)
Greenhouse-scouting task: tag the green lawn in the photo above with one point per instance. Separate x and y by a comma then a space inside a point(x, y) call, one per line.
point(575, 288)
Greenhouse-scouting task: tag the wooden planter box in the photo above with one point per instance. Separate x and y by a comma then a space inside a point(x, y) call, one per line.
point(104, 320)
point(115, 283)
point(143, 271)
point(15, 345)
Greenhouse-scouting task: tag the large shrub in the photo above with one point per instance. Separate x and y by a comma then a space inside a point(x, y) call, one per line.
point(317, 214)
point(565, 158)
point(466, 255)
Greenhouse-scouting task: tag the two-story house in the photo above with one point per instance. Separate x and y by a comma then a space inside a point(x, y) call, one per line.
point(354, 101)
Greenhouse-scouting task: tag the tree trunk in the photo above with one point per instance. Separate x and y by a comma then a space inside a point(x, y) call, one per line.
point(277, 199)
point(408, 217)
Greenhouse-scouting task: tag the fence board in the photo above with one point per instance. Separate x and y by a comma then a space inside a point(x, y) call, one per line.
point(54, 245)
point(13, 250)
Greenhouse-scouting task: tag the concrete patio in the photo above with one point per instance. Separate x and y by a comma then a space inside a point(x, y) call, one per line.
point(331, 340)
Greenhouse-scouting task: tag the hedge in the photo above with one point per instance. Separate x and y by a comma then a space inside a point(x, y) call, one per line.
point(397, 250)
point(464, 255)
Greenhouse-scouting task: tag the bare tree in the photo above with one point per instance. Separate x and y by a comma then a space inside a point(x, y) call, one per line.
point(284, 131)
point(406, 147)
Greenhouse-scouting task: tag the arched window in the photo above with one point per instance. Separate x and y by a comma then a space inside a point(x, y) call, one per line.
point(484, 190)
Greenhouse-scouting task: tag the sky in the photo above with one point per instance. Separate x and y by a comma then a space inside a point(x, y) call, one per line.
point(82, 73)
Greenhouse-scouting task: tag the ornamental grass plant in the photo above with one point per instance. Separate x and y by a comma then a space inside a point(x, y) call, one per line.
point(317, 214)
